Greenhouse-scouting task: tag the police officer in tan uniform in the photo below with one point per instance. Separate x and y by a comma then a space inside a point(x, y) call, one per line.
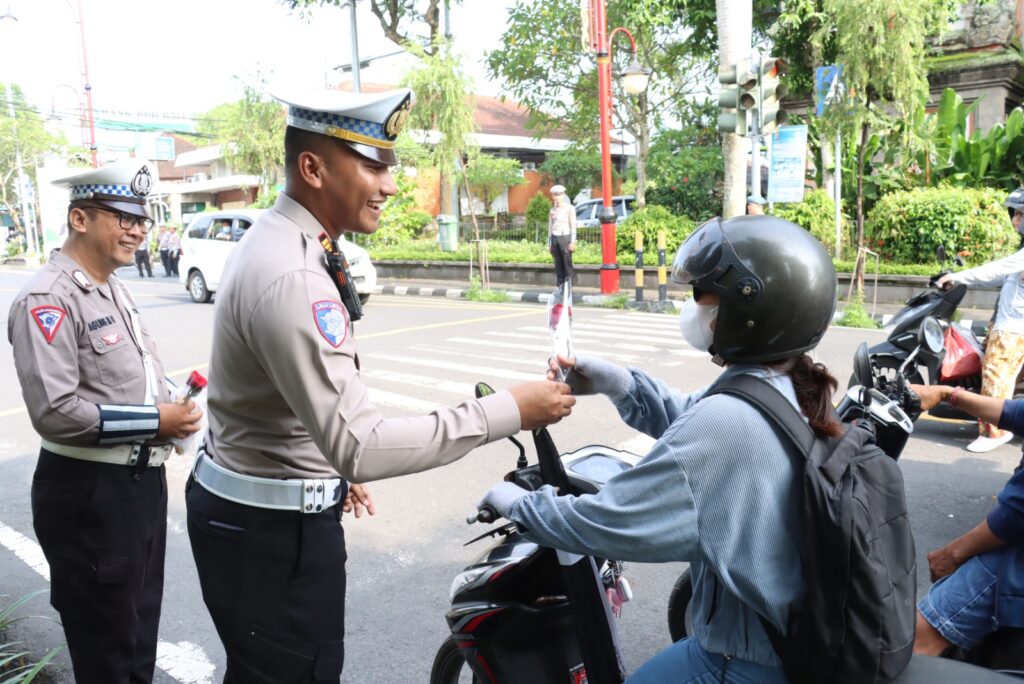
point(93, 386)
point(290, 419)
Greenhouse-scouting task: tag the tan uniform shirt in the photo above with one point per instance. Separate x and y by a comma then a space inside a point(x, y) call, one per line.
point(75, 349)
point(562, 221)
point(286, 399)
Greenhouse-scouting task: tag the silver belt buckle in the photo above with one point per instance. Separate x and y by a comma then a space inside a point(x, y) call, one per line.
point(315, 497)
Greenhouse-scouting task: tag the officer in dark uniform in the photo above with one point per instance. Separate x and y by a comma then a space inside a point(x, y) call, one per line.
point(93, 386)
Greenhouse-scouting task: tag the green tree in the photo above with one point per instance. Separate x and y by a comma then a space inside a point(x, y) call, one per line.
point(881, 46)
point(575, 168)
point(401, 20)
point(544, 67)
point(441, 86)
point(489, 176)
point(24, 135)
point(251, 131)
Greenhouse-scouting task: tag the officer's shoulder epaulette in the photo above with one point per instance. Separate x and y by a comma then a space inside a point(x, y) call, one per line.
point(48, 281)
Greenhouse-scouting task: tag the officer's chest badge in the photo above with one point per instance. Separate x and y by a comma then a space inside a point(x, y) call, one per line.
point(111, 339)
point(49, 318)
point(331, 321)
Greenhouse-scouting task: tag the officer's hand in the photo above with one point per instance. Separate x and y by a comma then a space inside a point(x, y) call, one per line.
point(178, 421)
point(358, 498)
point(572, 246)
point(542, 403)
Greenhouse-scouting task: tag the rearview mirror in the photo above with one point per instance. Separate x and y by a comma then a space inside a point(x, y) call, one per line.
point(862, 367)
point(482, 389)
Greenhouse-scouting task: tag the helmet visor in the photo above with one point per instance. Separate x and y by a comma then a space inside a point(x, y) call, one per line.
point(701, 254)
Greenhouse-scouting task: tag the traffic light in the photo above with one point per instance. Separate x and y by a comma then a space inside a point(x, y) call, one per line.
point(771, 113)
point(738, 93)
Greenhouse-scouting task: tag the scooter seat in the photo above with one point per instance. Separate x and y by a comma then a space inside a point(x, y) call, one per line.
point(930, 670)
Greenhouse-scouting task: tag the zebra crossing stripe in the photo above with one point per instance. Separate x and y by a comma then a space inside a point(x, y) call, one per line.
point(183, 661)
point(482, 372)
point(522, 361)
point(541, 348)
point(401, 401)
point(463, 389)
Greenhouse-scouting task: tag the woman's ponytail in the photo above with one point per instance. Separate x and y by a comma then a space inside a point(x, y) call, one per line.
point(814, 386)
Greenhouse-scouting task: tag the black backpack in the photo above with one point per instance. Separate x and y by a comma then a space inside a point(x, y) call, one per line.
point(855, 624)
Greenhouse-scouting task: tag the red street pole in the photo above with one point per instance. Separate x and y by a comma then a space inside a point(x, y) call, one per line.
point(88, 89)
point(609, 265)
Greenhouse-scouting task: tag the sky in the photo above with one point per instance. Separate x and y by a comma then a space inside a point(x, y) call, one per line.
point(183, 56)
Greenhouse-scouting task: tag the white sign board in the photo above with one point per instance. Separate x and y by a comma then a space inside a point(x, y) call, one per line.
point(789, 162)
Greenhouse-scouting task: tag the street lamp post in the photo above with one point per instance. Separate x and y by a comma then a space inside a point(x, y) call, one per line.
point(635, 82)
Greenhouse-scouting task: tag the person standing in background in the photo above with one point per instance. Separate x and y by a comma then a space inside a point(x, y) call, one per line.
point(165, 252)
point(562, 234)
point(173, 250)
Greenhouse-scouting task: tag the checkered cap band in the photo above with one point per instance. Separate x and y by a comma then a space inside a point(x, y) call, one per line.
point(304, 118)
point(79, 192)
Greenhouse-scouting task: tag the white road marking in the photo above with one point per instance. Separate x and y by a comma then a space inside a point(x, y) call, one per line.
point(540, 348)
point(479, 371)
point(25, 549)
point(463, 389)
point(184, 661)
point(635, 317)
point(523, 361)
point(677, 348)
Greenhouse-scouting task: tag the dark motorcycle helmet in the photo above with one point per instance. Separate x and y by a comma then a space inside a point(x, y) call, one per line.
point(1015, 202)
point(776, 286)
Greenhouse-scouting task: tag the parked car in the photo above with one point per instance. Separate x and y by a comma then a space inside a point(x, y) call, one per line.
point(210, 237)
point(587, 212)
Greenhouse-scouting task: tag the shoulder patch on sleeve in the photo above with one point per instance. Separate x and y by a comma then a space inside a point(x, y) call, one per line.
point(331, 320)
point(49, 319)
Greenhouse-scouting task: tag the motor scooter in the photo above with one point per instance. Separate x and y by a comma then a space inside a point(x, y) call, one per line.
point(525, 613)
point(919, 333)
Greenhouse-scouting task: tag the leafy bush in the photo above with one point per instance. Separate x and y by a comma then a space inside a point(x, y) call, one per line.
point(537, 215)
point(649, 221)
point(518, 252)
point(15, 666)
point(574, 168)
point(854, 315)
point(684, 177)
point(817, 215)
point(401, 220)
point(908, 226)
point(477, 293)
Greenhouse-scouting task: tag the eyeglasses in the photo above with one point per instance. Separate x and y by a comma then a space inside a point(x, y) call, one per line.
point(129, 221)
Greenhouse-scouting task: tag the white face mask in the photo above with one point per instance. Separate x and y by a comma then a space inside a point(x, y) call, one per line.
point(695, 323)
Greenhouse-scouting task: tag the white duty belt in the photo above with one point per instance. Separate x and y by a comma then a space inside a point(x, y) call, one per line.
point(120, 454)
point(303, 496)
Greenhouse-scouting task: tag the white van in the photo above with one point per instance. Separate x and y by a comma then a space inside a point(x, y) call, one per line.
point(210, 237)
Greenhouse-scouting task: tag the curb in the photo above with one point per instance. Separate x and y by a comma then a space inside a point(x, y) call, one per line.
point(514, 296)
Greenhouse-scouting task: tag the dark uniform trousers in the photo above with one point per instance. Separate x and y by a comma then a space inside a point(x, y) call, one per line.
point(103, 529)
point(274, 583)
point(563, 258)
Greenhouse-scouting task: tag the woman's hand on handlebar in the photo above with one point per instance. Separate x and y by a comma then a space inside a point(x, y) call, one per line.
point(945, 281)
point(501, 497)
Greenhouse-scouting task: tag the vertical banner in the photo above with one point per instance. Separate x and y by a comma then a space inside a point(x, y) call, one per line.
point(789, 162)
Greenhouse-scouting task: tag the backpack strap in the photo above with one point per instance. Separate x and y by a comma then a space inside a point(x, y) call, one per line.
point(773, 404)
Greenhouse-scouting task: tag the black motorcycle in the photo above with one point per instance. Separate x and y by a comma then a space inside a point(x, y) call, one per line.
point(916, 345)
point(525, 613)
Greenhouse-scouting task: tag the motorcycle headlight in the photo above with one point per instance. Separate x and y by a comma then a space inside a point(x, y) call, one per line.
point(931, 335)
point(463, 579)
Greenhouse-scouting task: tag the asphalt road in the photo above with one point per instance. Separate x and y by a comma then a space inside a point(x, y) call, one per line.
point(418, 353)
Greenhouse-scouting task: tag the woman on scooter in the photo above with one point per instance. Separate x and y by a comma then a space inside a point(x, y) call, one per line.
point(1004, 346)
point(979, 576)
point(719, 488)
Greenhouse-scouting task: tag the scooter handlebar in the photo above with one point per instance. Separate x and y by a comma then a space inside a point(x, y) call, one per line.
point(486, 515)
